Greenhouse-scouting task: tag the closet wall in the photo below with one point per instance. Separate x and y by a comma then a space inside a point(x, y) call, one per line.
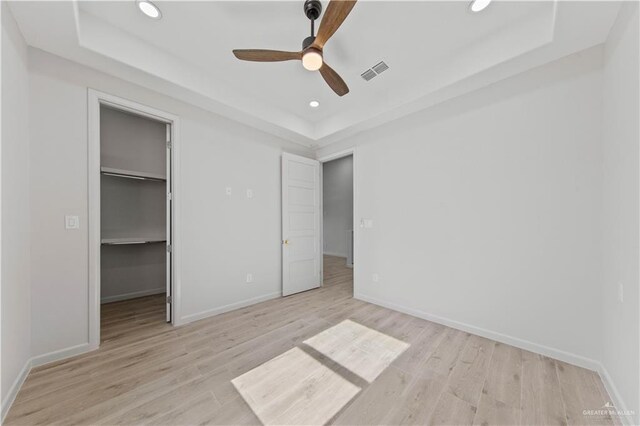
point(620, 135)
point(133, 213)
point(16, 211)
point(222, 237)
point(487, 209)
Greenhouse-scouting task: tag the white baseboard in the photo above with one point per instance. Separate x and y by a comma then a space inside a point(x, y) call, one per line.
point(86, 347)
point(226, 308)
point(132, 295)
point(618, 401)
point(558, 354)
point(14, 389)
point(43, 359)
point(520, 343)
point(35, 362)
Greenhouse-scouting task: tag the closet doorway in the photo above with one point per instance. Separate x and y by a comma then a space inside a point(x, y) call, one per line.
point(131, 217)
point(337, 224)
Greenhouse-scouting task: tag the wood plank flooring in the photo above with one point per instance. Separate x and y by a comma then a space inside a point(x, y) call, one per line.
point(148, 372)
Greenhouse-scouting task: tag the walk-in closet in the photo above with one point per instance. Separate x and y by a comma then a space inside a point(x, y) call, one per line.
point(135, 209)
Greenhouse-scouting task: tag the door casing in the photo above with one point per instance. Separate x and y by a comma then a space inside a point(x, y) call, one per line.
point(356, 224)
point(95, 100)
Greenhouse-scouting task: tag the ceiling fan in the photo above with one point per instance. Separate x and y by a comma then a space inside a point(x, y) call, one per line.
point(311, 53)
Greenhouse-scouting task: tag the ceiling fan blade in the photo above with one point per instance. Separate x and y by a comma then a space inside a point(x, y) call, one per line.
point(336, 13)
point(261, 55)
point(334, 80)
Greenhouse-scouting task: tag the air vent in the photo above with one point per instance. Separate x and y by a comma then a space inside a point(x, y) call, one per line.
point(380, 67)
point(368, 75)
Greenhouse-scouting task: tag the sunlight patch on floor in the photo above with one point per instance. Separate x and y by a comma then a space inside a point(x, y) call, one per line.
point(362, 350)
point(294, 389)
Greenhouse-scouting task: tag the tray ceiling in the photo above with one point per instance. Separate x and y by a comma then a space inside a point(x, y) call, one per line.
point(435, 51)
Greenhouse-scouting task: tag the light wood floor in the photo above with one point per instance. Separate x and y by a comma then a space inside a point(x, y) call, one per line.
point(337, 273)
point(147, 372)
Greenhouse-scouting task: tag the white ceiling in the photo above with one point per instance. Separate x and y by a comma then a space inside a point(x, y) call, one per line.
point(435, 50)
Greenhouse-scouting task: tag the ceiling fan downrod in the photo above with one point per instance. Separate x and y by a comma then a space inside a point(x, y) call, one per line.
point(312, 10)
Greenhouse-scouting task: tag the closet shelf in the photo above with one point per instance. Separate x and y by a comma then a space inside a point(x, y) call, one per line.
point(131, 174)
point(131, 241)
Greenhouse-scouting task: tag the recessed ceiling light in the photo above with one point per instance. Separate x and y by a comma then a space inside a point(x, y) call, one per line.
point(314, 104)
point(478, 5)
point(149, 9)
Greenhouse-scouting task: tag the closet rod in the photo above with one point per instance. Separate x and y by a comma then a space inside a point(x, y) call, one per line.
point(122, 175)
point(126, 242)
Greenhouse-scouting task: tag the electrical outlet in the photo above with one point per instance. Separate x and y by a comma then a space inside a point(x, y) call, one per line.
point(375, 278)
point(228, 190)
point(249, 278)
point(620, 292)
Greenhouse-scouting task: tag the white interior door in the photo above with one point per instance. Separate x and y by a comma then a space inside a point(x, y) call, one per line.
point(169, 232)
point(300, 224)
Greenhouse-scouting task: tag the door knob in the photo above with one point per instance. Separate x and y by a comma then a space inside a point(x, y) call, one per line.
point(285, 242)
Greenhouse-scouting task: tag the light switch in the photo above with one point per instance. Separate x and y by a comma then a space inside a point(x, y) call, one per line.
point(228, 190)
point(249, 193)
point(249, 278)
point(72, 222)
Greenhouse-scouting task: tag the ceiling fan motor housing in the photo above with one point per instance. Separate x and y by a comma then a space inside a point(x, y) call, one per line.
point(307, 42)
point(312, 9)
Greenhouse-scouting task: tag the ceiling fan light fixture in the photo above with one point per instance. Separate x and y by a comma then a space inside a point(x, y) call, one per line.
point(479, 5)
point(314, 104)
point(312, 60)
point(312, 46)
point(149, 9)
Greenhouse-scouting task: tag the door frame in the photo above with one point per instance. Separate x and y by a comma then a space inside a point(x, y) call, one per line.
point(94, 100)
point(356, 228)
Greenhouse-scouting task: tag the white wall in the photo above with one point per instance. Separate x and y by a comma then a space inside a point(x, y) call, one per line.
point(487, 210)
point(222, 237)
point(16, 317)
point(621, 214)
point(337, 204)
